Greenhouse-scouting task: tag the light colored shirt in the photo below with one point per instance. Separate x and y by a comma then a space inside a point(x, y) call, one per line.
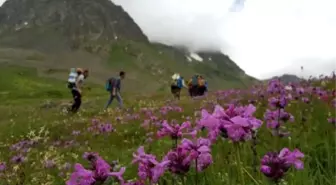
point(80, 81)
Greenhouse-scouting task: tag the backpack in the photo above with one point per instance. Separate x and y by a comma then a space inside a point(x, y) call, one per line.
point(179, 83)
point(201, 82)
point(72, 75)
point(108, 84)
point(72, 78)
point(194, 80)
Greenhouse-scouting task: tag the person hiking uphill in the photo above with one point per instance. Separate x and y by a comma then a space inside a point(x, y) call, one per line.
point(76, 87)
point(197, 86)
point(201, 89)
point(193, 86)
point(177, 85)
point(113, 86)
point(72, 78)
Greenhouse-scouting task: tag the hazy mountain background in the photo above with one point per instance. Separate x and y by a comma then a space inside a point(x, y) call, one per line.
point(52, 36)
point(287, 78)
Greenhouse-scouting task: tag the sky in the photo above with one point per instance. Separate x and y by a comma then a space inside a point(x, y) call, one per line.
point(264, 37)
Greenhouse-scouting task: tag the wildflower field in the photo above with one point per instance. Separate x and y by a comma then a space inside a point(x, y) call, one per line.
point(267, 134)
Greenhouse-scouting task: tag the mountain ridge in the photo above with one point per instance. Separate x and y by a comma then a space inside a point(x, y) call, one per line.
point(102, 36)
point(287, 78)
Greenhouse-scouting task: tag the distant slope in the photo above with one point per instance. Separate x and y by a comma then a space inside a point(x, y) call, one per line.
point(287, 78)
point(53, 35)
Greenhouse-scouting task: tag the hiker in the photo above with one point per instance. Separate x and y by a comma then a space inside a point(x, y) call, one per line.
point(201, 86)
point(177, 85)
point(72, 78)
point(76, 88)
point(193, 86)
point(197, 86)
point(113, 86)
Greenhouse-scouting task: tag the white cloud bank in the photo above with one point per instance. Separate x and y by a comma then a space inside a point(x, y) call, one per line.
point(266, 38)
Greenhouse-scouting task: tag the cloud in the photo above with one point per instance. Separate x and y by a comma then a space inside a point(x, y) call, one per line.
point(266, 37)
point(310, 68)
point(169, 21)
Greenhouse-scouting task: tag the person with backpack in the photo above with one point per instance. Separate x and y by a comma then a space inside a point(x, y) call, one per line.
point(193, 86)
point(177, 85)
point(201, 88)
point(72, 78)
point(113, 86)
point(76, 88)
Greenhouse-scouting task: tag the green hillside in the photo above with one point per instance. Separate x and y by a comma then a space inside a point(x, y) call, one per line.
point(53, 36)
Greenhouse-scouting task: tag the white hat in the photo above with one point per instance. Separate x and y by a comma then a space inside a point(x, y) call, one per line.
point(176, 76)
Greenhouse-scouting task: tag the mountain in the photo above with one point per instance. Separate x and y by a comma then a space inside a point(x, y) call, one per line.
point(288, 78)
point(54, 35)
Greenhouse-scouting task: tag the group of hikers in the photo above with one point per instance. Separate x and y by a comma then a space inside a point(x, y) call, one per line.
point(197, 86)
point(75, 84)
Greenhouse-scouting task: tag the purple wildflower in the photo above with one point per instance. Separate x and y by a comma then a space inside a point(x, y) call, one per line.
point(236, 123)
point(179, 160)
point(90, 156)
point(280, 102)
point(275, 87)
point(175, 131)
point(300, 91)
point(305, 100)
point(101, 169)
point(200, 151)
point(18, 159)
point(275, 165)
point(149, 167)
point(81, 176)
point(118, 174)
point(2, 166)
point(106, 128)
point(332, 121)
point(99, 172)
point(274, 117)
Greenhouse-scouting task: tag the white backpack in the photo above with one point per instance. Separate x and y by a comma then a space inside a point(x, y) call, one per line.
point(72, 75)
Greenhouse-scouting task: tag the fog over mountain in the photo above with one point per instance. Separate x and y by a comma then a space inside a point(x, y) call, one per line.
point(264, 37)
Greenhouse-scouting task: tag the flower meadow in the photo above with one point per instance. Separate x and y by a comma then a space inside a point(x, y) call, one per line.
point(268, 134)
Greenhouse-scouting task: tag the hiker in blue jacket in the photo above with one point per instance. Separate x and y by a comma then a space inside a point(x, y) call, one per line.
point(113, 86)
point(177, 85)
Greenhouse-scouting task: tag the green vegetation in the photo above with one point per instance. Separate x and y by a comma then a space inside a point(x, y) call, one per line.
point(23, 119)
point(155, 64)
point(21, 83)
point(102, 37)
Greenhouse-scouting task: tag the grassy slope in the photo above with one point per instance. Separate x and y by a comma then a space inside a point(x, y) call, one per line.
point(23, 118)
point(155, 64)
point(149, 66)
point(19, 83)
